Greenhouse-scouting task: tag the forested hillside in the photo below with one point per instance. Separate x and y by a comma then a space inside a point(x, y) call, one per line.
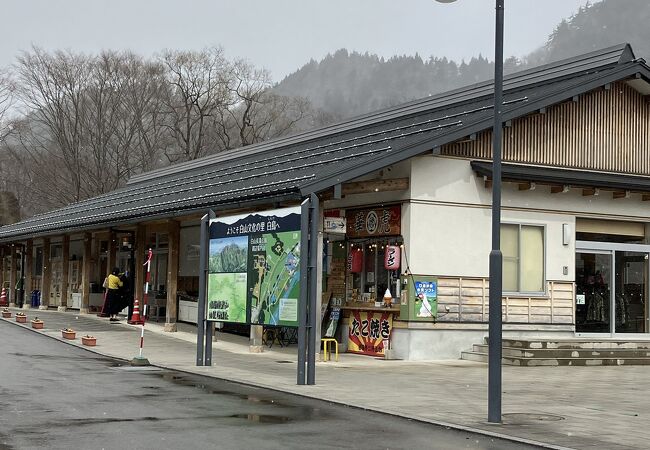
point(347, 84)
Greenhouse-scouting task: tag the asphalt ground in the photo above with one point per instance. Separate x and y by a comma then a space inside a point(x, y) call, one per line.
point(57, 396)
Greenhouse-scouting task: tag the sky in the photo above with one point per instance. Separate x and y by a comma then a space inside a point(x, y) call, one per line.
point(279, 35)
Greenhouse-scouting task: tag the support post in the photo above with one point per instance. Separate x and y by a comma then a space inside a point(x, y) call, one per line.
point(304, 289)
point(12, 275)
point(204, 253)
point(313, 340)
point(86, 266)
point(65, 273)
point(496, 257)
point(138, 276)
point(46, 275)
point(28, 270)
point(174, 233)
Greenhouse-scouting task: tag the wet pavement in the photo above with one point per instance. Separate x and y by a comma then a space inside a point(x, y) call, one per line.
point(60, 397)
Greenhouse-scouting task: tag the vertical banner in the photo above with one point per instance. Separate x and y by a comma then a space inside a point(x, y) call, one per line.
point(368, 331)
point(254, 268)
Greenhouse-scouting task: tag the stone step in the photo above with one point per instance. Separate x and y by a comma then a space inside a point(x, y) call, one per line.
point(567, 352)
point(575, 344)
point(531, 362)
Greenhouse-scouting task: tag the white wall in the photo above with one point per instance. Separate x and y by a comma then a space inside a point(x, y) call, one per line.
point(448, 220)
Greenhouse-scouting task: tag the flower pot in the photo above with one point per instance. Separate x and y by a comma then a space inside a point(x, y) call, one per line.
point(90, 341)
point(6, 314)
point(37, 324)
point(21, 319)
point(68, 334)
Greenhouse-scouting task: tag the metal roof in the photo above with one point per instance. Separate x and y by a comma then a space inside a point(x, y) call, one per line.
point(292, 167)
point(569, 177)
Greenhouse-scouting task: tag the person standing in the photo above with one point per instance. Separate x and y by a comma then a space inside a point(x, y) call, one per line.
point(113, 297)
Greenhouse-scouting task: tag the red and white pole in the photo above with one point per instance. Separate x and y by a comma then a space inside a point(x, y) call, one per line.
point(145, 296)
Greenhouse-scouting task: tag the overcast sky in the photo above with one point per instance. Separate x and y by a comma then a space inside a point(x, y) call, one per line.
point(280, 35)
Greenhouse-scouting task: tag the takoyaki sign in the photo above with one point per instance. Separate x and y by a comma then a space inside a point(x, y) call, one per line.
point(369, 332)
point(374, 222)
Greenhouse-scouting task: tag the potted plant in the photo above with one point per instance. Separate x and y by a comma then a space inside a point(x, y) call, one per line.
point(68, 333)
point(21, 317)
point(6, 314)
point(89, 340)
point(37, 323)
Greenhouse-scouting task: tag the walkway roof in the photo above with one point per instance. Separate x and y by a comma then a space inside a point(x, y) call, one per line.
point(290, 168)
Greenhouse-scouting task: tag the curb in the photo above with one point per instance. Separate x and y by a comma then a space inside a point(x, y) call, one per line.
point(438, 423)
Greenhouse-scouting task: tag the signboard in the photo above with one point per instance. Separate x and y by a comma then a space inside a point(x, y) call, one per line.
point(580, 299)
point(254, 268)
point(367, 332)
point(334, 225)
point(374, 222)
point(425, 305)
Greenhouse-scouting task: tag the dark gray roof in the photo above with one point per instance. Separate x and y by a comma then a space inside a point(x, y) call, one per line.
point(290, 168)
point(556, 176)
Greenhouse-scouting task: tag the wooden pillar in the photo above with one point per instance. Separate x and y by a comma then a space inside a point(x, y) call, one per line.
point(3, 251)
point(11, 292)
point(174, 233)
point(86, 267)
point(112, 253)
point(28, 270)
point(140, 243)
point(65, 273)
point(46, 276)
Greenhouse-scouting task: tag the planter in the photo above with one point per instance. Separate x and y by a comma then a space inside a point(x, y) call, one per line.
point(37, 324)
point(68, 334)
point(90, 341)
point(21, 319)
point(6, 314)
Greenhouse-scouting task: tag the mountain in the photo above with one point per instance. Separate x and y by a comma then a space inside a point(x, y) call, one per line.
point(345, 84)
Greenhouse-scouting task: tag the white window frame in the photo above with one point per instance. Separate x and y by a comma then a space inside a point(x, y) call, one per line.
point(544, 291)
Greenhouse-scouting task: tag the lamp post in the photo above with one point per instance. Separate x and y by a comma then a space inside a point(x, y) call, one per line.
point(496, 257)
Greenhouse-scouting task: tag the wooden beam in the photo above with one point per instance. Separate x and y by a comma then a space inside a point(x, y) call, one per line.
point(621, 194)
point(28, 269)
point(590, 191)
point(12, 275)
point(65, 272)
point(46, 274)
point(86, 267)
point(645, 197)
point(528, 186)
point(174, 233)
point(363, 187)
point(487, 182)
point(560, 189)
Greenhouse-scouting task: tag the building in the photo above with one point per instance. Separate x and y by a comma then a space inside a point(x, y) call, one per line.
point(413, 181)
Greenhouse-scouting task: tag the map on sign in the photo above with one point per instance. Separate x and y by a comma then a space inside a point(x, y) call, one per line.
point(275, 278)
point(254, 268)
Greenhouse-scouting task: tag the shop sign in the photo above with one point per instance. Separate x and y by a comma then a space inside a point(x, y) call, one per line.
point(374, 222)
point(334, 225)
point(368, 331)
point(254, 268)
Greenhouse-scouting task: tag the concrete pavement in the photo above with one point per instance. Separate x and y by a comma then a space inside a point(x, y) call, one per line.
point(574, 407)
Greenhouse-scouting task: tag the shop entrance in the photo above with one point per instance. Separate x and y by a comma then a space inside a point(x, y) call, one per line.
point(612, 288)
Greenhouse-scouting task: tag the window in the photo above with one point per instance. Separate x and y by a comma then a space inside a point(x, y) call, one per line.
point(523, 258)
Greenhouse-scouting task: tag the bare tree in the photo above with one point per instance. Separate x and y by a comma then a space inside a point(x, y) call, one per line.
point(198, 90)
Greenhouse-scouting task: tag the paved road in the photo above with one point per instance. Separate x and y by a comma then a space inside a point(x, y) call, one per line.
point(57, 396)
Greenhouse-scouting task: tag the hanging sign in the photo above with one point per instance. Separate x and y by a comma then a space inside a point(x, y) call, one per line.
point(334, 225)
point(369, 331)
point(254, 268)
point(374, 222)
point(355, 261)
point(392, 257)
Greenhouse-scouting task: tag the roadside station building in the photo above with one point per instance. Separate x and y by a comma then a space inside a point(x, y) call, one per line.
point(412, 183)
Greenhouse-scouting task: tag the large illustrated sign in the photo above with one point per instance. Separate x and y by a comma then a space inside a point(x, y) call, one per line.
point(254, 268)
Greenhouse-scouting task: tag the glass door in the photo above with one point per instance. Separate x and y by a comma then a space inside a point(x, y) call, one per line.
point(593, 292)
point(631, 292)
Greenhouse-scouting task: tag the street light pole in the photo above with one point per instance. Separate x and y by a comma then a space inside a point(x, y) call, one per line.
point(496, 257)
